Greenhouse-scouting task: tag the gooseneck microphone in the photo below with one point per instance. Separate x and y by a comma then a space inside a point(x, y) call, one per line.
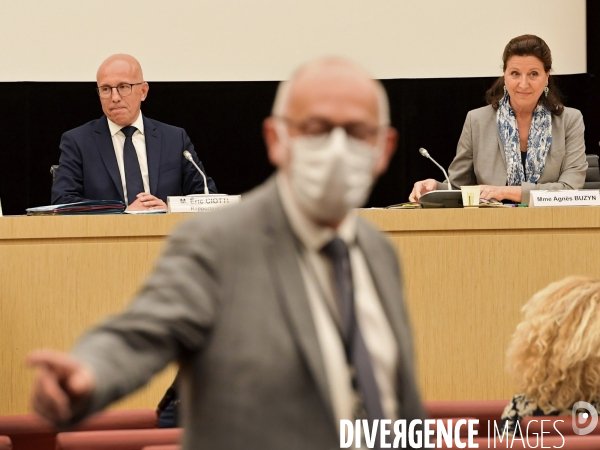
point(188, 156)
point(426, 154)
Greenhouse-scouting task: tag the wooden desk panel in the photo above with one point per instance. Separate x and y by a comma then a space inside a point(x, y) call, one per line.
point(467, 274)
point(60, 275)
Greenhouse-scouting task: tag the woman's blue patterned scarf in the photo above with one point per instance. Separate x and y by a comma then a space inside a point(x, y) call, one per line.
point(538, 142)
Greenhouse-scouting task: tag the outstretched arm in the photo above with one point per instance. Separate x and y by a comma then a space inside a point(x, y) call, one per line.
point(62, 385)
point(172, 316)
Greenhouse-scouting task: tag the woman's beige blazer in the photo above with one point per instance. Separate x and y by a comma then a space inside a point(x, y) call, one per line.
point(480, 157)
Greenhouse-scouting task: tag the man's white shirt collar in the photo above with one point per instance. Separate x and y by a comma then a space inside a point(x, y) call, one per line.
point(138, 123)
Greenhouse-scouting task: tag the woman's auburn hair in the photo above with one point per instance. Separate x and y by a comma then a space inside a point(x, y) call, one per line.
point(528, 45)
point(554, 354)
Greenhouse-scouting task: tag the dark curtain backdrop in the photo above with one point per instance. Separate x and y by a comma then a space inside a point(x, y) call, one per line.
point(224, 121)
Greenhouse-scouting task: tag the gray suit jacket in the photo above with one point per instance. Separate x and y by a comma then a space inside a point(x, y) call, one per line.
point(480, 155)
point(227, 300)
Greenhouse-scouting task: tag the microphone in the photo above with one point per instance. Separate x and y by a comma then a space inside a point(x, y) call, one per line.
point(426, 154)
point(188, 156)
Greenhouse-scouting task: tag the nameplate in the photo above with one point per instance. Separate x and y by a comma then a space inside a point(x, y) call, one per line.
point(588, 197)
point(201, 203)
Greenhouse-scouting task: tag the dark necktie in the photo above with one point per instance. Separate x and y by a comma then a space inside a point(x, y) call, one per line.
point(357, 354)
point(133, 173)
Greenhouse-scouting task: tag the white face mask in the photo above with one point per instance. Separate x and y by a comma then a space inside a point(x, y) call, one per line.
point(331, 175)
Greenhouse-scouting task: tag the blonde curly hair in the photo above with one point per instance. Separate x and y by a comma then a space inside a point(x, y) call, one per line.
point(554, 354)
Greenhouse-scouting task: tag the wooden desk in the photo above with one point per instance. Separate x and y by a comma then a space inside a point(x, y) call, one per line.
point(467, 273)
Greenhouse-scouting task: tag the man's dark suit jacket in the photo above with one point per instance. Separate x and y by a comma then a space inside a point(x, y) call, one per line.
point(88, 165)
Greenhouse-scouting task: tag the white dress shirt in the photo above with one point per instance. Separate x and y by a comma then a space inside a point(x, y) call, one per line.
point(319, 281)
point(139, 143)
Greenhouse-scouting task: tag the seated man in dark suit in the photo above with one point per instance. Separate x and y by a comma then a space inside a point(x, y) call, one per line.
point(125, 155)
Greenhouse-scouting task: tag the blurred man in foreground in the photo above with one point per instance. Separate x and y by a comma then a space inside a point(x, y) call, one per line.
point(285, 312)
point(124, 155)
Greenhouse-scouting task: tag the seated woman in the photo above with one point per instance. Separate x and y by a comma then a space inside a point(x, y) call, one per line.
point(525, 138)
point(554, 355)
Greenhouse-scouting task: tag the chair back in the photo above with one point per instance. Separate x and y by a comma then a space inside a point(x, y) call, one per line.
point(31, 432)
point(564, 442)
point(162, 447)
point(555, 425)
point(53, 170)
point(117, 439)
point(592, 174)
point(5, 443)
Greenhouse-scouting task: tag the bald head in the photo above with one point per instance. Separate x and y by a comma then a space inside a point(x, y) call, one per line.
point(326, 94)
point(120, 61)
point(124, 74)
point(340, 77)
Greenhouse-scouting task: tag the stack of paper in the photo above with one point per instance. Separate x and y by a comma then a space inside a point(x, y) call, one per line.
point(87, 207)
point(408, 205)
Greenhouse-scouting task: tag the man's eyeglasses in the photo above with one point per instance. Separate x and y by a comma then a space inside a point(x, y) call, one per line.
point(124, 89)
point(320, 127)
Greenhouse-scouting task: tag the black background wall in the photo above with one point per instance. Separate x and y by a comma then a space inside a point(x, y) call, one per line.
point(224, 120)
